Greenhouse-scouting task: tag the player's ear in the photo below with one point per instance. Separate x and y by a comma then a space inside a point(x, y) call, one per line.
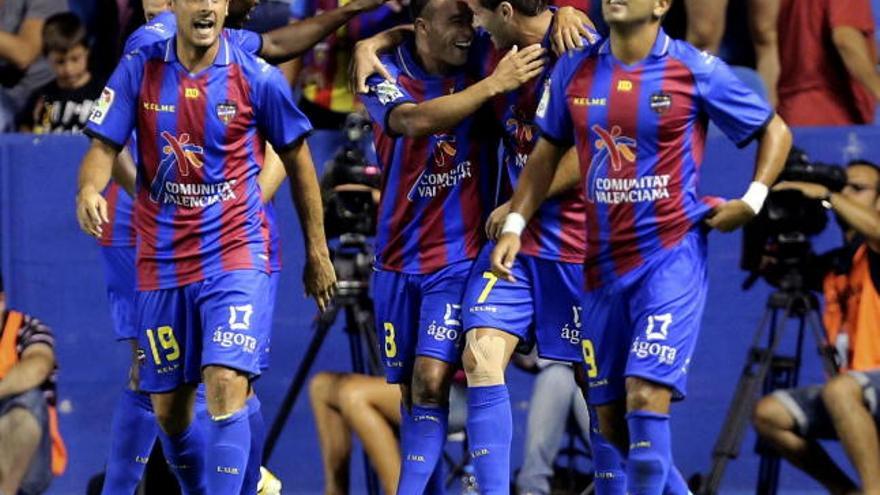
point(506, 10)
point(661, 7)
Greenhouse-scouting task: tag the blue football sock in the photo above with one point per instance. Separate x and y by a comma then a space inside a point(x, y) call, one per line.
point(255, 457)
point(490, 432)
point(675, 483)
point(132, 435)
point(229, 442)
point(422, 436)
point(437, 483)
point(185, 454)
point(610, 478)
point(650, 452)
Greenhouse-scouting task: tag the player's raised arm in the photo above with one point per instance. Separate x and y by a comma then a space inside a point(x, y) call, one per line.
point(438, 114)
point(365, 57)
point(299, 37)
point(534, 183)
point(94, 174)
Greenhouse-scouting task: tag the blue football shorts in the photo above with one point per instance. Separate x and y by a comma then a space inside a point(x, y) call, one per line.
point(216, 321)
point(542, 307)
point(120, 274)
point(645, 324)
point(269, 314)
point(419, 315)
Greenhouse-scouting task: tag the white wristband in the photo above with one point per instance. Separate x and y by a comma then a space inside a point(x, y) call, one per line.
point(756, 195)
point(514, 223)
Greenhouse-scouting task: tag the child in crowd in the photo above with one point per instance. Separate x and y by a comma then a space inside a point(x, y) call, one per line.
point(64, 105)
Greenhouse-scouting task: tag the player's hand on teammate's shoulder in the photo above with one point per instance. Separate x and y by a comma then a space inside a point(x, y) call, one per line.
point(518, 67)
point(730, 215)
point(496, 221)
point(91, 211)
point(570, 28)
point(319, 279)
point(504, 254)
point(364, 63)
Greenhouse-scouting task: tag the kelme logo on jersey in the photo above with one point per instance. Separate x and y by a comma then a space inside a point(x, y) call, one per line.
point(226, 111)
point(443, 172)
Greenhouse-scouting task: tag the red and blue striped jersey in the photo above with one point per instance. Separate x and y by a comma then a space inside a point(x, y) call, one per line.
point(162, 27)
point(640, 131)
point(436, 190)
point(556, 231)
point(198, 210)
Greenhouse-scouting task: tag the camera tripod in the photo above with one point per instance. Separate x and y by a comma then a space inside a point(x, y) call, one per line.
point(767, 370)
point(352, 298)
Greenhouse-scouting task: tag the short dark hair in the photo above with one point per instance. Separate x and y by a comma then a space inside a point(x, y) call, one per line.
point(527, 7)
point(63, 32)
point(416, 7)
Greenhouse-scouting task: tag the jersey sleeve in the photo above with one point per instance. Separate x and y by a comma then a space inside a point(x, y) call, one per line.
point(852, 13)
point(737, 110)
point(113, 115)
point(278, 118)
point(553, 116)
point(248, 41)
point(382, 97)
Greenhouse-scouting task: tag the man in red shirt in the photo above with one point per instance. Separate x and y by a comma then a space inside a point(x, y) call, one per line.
point(828, 58)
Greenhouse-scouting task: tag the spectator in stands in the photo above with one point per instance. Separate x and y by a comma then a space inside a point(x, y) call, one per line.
point(64, 105)
point(366, 406)
point(828, 62)
point(22, 70)
point(793, 421)
point(326, 98)
point(705, 29)
point(555, 397)
point(31, 447)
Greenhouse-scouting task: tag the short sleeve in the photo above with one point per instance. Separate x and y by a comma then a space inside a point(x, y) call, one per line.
point(737, 110)
point(553, 116)
point(852, 13)
point(113, 115)
point(42, 9)
point(298, 9)
point(382, 97)
point(278, 118)
point(248, 41)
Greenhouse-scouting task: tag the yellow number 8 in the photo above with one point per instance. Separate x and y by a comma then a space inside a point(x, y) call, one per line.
point(590, 358)
point(390, 345)
point(165, 336)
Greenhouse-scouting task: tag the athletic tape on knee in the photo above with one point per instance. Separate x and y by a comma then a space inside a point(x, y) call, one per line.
point(488, 353)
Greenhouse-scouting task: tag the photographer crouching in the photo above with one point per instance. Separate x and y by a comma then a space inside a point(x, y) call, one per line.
point(845, 408)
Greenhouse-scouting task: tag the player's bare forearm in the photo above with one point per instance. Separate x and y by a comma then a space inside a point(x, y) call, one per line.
point(97, 166)
point(299, 37)
point(568, 174)
point(534, 183)
point(125, 171)
point(306, 198)
point(32, 370)
point(272, 174)
point(773, 147)
point(852, 45)
point(439, 114)
point(863, 219)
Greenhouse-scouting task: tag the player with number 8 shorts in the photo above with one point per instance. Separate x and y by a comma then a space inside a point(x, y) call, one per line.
point(636, 107)
point(199, 104)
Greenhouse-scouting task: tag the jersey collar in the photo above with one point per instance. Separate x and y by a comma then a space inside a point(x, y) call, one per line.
point(222, 58)
point(660, 48)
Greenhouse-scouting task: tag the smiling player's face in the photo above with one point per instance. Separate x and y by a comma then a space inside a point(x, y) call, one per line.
point(199, 22)
point(633, 11)
point(449, 30)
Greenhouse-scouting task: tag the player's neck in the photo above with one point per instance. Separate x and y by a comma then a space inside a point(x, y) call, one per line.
point(196, 58)
point(532, 29)
point(631, 43)
point(432, 65)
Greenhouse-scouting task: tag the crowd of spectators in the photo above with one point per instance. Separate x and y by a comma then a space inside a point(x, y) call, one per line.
point(817, 58)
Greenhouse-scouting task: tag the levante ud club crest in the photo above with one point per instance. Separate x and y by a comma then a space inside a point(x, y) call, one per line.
point(226, 111)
